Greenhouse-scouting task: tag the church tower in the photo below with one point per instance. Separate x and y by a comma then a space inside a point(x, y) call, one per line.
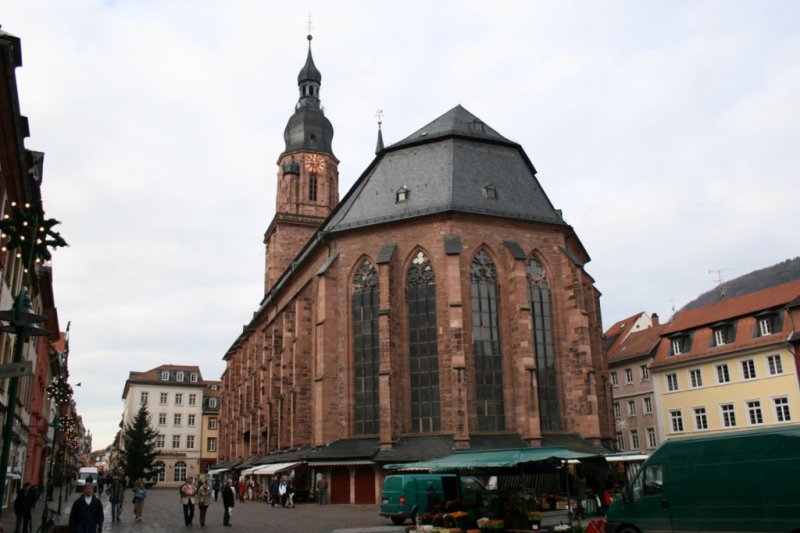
point(308, 177)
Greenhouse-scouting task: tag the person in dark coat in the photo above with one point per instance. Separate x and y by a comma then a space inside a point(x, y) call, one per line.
point(86, 515)
point(228, 500)
point(26, 500)
point(273, 491)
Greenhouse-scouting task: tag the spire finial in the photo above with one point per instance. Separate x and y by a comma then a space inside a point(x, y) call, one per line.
point(379, 147)
point(309, 37)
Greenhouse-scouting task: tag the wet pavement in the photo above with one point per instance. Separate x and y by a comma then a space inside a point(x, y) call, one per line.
point(163, 513)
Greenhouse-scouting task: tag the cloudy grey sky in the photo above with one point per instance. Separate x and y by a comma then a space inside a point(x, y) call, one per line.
point(667, 132)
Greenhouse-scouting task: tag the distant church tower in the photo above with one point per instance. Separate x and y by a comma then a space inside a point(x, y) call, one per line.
point(308, 177)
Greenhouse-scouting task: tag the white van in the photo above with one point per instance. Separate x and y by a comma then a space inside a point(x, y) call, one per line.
point(84, 474)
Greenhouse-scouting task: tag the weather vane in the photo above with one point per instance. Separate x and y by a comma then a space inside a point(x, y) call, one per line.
point(379, 114)
point(309, 23)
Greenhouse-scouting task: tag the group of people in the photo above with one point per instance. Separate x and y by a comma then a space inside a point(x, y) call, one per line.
point(277, 492)
point(201, 494)
point(86, 514)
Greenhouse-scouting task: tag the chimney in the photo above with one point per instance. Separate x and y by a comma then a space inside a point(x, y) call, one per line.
point(654, 319)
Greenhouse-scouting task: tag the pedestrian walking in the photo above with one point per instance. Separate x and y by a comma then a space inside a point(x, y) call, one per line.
point(228, 500)
point(86, 515)
point(241, 487)
point(139, 495)
point(322, 489)
point(25, 501)
point(216, 488)
point(290, 495)
point(116, 493)
point(273, 491)
point(203, 501)
point(188, 495)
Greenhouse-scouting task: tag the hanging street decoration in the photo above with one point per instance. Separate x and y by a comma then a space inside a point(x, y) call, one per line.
point(27, 231)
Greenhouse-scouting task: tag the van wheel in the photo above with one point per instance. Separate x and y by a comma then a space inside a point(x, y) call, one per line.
point(398, 520)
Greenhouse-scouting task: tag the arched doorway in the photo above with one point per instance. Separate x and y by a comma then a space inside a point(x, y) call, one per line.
point(365, 484)
point(340, 485)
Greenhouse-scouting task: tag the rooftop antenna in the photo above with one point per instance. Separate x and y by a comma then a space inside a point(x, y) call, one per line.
point(720, 280)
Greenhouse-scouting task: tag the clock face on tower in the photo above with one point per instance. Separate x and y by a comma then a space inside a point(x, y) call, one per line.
point(315, 163)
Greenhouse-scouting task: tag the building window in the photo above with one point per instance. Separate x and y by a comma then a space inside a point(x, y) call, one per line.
point(211, 444)
point(645, 372)
point(620, 441)
point(160, 441)
point(614, 379)
point(401, 195)
point(634, 439)
point(648, 405)
point(212, 422)
point(179, 376)
point(696, 378)
point(617, 411)
point(680, 344)
point(193, 377)
point(782, 409)
point(312, 187)
point(143, 398)
point(748, 369)
point(180, 471)
point(162, 419)
point(176, 441)
point(193, 399)
point(672, 382)
point(544, 349)
point(631, 408)
point(723, 376)
point(423, 345)
point(190, 442)
point(490, 192)
point(164, 375)
point(728, 415)
point(775, 366)
point(754, 412)
point(628, 376)
point(190, 420)
point(765, 326)
point(212, 402)
point(676, 419)
point(366, 357)
point(651, 438)
point(163, 398)
point(161, 470)
point(176, 420)
point(700, 419)
point(178, 398)
point(486, 346)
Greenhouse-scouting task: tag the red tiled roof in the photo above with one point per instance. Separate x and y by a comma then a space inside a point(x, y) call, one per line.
point(154, 374)
point(619, 332)
point(637, 344)
point(739, 306)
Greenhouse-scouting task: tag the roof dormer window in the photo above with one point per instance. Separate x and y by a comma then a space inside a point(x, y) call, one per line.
point(490, 192)
point(680, 343)
point(767, 323)
point(193, 377)
point(179, 376)
point(723, 333)
point(401, 195)
point(164, 375)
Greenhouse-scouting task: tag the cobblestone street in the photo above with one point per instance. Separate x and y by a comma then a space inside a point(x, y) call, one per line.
point(163, 513)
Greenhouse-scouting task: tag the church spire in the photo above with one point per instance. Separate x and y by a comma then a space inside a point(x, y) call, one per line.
point(308, 129)
point(379, 147)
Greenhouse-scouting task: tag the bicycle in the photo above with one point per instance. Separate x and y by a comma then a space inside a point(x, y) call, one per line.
point(49, 519)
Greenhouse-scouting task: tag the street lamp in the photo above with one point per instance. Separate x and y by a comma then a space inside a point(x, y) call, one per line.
point(30, 234)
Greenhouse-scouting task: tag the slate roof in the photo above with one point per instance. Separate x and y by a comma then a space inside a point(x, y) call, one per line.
point(777, 274)
point(446, 166)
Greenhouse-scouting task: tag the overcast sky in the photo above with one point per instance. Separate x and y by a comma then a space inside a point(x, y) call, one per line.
point(667, 132)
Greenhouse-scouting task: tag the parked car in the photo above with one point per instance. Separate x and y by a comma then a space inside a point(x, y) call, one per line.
point(742, 481)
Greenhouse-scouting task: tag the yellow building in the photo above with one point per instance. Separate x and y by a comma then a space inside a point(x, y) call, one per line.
point(210, 428)
point(730, 365)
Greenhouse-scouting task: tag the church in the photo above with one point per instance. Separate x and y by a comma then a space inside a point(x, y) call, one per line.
point(442, 304)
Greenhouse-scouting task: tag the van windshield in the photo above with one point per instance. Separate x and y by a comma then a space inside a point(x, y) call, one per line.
point(649, 481)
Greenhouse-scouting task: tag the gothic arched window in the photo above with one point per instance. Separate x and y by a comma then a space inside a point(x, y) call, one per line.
point(423, 345)
point(486, 344)
point(547, 382)
point(366, 356)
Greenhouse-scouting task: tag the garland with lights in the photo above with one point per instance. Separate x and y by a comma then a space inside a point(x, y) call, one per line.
point(28, 232)
point(59, 390)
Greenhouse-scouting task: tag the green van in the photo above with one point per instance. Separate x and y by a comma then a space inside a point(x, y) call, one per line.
point(405, 496)
point(743, 481)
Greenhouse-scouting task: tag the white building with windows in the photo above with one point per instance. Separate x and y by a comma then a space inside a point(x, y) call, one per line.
point(727, 362)
point(174, 397)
